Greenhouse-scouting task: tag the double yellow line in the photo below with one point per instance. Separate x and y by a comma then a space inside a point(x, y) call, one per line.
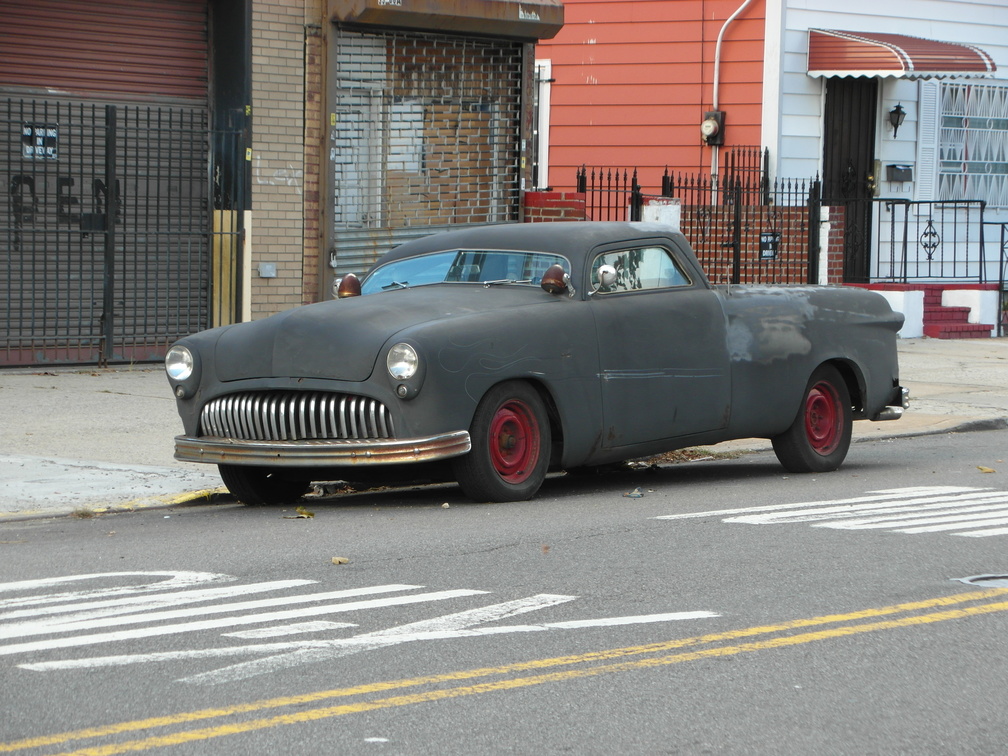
point(517, 675)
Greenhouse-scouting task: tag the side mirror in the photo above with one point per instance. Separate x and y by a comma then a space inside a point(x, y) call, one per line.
point(606, 278)
point(348, 286)
point(556, 281)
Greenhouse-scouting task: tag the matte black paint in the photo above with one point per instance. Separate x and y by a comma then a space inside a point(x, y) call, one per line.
point(628, 374)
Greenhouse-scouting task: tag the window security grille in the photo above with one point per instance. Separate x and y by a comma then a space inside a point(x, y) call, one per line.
point(973, 143)
point(424, 130)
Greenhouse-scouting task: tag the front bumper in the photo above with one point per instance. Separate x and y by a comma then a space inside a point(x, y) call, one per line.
point(322, 452)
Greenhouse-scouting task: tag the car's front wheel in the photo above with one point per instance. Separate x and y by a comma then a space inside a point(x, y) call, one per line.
point(510, 445)
point(260, 486)
point(820, 435)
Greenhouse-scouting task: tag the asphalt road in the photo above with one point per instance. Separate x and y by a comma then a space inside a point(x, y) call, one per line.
point(720, 606)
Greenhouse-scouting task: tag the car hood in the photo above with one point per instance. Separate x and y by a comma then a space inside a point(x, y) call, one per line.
point(341, 339)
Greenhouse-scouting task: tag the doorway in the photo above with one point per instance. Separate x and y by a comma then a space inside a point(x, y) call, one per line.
point(849, 178)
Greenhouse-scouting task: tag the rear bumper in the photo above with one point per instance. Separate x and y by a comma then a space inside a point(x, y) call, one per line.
point(321, 453)
point(899, 401)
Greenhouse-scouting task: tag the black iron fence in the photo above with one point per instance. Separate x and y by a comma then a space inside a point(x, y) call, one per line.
point(746, 228)
point(995, 235)
point(109, 230)
point(742, 227)
point(929, 240)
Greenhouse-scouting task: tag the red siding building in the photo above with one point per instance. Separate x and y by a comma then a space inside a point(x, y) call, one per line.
point(641, 74)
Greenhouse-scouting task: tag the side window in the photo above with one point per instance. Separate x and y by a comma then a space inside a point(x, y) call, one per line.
point(639, 269)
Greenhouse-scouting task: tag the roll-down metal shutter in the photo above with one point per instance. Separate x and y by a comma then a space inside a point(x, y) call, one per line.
point(148, 47)
point(103, 103)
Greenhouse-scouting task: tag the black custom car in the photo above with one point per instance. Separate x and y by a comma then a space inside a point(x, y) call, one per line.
point(499, 353)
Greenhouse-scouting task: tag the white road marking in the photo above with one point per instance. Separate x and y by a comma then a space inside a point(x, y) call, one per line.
point(248, 619)
point(935, 509)
point(295, 629)
point(74, 614)
point(638, 620)
point(888, 495)
point(84, 621)
point(83, 611)
point(313, 653)
point(180, 579)
point(441, 628)
point(984, 533)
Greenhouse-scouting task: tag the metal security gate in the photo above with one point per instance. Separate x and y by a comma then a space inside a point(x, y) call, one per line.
point(105, 234)
point(849, 178)
point(423, 135)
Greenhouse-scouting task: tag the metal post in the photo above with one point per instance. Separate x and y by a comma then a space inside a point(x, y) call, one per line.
point(814, 221)
point(111, 211)
point(636, 199)
point(736, 194)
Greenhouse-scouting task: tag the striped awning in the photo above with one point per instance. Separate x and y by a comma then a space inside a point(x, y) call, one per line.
point(846, 53)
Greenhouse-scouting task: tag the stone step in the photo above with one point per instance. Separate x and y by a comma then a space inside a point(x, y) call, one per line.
point(951, 330)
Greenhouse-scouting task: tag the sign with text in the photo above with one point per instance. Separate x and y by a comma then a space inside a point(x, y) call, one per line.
point(39, 141)
point(769, 245)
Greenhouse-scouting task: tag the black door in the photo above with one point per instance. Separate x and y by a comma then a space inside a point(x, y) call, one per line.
point(849, 165)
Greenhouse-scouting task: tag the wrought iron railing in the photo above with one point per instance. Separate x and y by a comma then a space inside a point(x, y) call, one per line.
point(928, 241)
point(996, 234)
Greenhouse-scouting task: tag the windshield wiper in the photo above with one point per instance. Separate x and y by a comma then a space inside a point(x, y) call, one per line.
point(488, 284)
point(395, 285)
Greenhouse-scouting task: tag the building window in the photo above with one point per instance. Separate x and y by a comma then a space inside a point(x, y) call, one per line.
point(973, 143)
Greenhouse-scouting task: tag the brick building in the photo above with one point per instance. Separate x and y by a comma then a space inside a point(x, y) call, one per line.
point(173, 165)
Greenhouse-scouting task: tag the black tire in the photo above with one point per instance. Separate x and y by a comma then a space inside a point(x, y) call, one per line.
point(820, 436)
point(510, 445)
point(261, 486)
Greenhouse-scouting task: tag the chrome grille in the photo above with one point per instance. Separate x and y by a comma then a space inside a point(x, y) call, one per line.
point(294, 416)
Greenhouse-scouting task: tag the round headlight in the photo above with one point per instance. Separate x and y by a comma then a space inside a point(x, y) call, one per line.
point(179, 363)
point(402, 362)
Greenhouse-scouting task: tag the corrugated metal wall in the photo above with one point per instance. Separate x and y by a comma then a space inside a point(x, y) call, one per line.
point(141, 47)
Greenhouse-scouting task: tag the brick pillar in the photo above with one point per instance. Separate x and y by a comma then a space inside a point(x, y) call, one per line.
point(554, 206)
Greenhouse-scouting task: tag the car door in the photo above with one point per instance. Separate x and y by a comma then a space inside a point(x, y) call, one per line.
point(664, 368)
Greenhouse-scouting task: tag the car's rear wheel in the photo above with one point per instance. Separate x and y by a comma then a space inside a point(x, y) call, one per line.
point(510, 445)
point(259, 486)
point(820, 435)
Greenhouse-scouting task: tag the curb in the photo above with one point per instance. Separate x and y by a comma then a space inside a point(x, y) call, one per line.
point(86, 511)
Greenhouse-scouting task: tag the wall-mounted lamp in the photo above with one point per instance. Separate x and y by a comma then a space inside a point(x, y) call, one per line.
point(896, 116)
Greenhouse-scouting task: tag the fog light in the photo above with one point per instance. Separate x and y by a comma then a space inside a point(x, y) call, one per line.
point(401, 390)
point(180, 392)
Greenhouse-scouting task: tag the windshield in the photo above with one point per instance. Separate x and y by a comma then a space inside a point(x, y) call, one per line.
point(462, 266)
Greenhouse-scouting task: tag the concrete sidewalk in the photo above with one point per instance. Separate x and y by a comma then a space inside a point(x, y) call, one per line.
point(84, 439)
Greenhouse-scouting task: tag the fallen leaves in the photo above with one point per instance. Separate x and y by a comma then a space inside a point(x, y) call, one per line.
point(983, 469)
point(302, 514)
point(340, 560)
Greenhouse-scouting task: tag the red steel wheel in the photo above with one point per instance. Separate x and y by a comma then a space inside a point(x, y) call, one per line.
point(823, 417)
point(820, 434)
point(514, 441)
point(511, 443)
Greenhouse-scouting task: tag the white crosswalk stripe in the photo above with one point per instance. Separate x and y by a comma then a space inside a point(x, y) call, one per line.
point(289, 622)
point(958, 510)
